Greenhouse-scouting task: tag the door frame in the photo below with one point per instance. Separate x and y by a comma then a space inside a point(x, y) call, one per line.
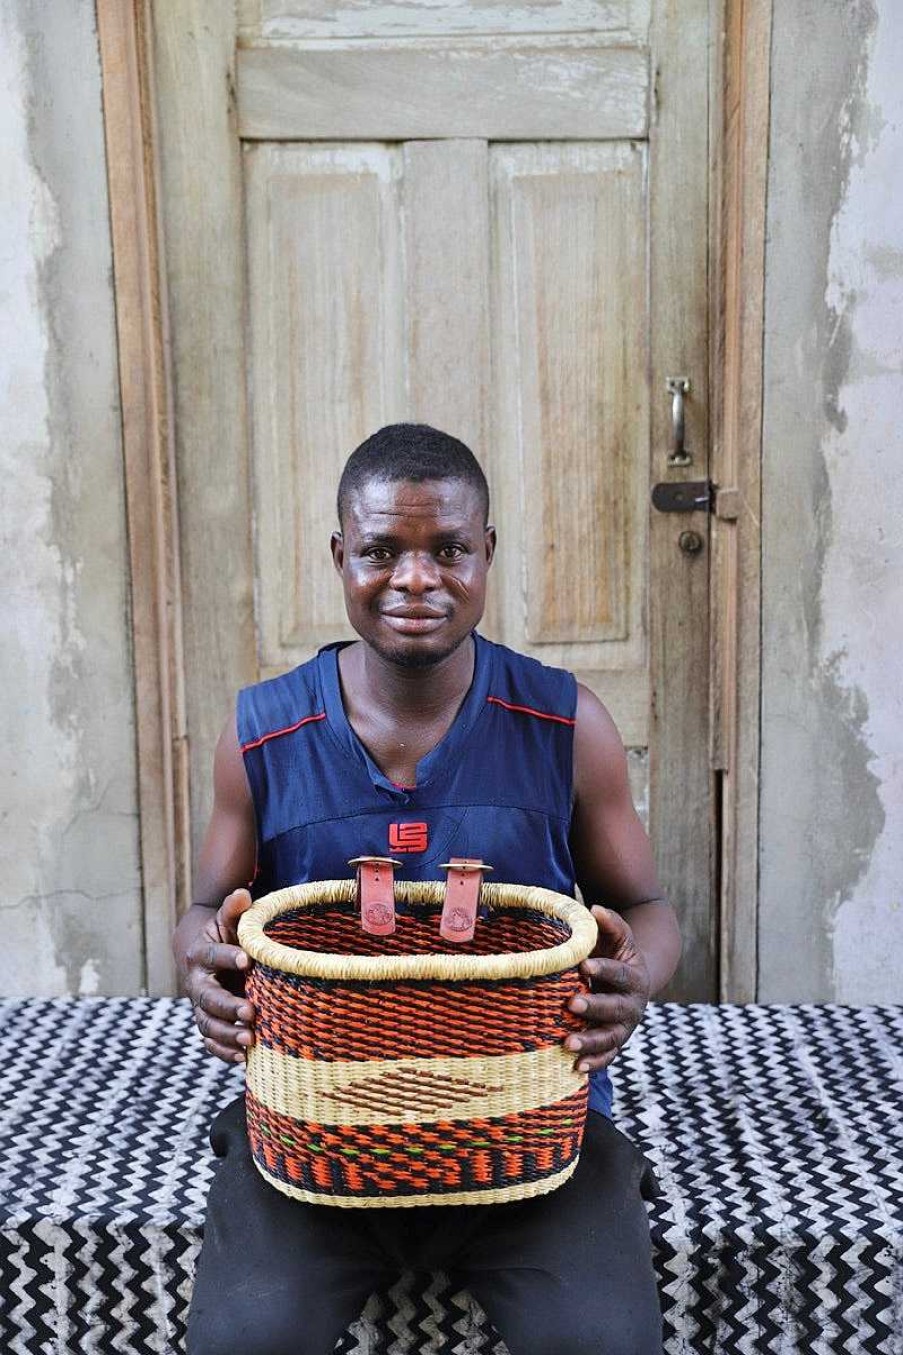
point(145, 395)
point(186, 446)
point(741, 94)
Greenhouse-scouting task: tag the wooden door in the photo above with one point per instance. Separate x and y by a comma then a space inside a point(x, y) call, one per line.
point(490, 219)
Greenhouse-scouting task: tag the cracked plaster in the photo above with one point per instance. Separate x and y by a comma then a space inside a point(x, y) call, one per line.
point(70, 892)
point(832, 794)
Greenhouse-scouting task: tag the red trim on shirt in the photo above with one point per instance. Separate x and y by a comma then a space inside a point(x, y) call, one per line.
point(528, 710)
point(275, 733)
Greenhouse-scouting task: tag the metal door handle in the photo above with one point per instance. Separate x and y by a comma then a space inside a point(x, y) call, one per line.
point(678, 387)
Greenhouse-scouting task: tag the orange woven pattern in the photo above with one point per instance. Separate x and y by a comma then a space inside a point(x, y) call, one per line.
point(316, 1019)
point(417, 1159)
point(411, 1070)
point(336, 929)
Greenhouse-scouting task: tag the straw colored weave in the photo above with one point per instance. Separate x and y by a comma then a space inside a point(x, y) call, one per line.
point(407, 1070)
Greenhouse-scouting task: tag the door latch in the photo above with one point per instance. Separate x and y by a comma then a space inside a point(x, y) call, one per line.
point(696, 496)
point(682, 496)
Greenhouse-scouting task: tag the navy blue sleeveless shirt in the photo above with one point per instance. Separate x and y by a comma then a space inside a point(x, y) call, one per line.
point(498, 786)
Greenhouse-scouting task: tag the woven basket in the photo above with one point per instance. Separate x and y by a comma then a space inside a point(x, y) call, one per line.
point(407, 1070)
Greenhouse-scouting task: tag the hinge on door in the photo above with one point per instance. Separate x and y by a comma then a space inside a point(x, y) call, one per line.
point(696, 496)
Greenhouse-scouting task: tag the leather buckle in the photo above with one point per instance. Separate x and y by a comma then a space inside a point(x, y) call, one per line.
point(376, 893)
point(462, 897)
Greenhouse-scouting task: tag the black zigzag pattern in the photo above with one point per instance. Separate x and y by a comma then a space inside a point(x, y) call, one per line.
point(775, 1133)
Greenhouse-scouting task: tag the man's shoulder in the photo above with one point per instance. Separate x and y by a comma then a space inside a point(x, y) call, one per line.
point(523, 680)
point(277, 703)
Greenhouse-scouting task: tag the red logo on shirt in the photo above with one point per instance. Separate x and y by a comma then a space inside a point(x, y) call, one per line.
point(408, 837)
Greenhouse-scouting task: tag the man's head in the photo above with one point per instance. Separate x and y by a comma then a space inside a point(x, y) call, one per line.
point(414, 544)
point(414, 452)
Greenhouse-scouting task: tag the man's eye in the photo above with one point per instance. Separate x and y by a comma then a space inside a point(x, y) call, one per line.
point(379, 554)
point(452, 552)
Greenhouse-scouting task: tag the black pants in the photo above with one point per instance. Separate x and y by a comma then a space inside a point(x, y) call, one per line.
point(568, 1273)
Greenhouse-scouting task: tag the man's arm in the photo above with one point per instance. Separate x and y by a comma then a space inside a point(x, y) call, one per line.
point(205, 941)
point(639, 940)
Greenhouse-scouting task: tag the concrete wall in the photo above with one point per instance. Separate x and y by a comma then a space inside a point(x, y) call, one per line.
point(69, 882)
point(831, 919)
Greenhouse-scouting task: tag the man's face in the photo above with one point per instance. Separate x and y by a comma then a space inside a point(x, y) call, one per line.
point(413, 560)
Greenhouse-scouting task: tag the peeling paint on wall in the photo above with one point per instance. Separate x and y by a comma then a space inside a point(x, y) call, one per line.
point(862, 580)
point(70, 885)
point(831, 599)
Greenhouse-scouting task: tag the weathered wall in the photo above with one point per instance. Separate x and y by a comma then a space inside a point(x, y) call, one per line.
point(69, 883)
point(831, 919)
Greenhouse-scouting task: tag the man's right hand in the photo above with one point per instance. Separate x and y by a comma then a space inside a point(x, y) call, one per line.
point(225, 1021)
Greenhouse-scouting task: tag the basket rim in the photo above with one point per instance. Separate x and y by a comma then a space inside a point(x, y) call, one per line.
point(380, 968)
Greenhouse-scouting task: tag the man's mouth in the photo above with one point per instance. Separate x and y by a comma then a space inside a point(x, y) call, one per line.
point(414, 620)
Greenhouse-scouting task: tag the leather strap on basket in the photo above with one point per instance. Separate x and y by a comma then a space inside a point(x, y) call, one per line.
point(376, 893)
point(462, 897)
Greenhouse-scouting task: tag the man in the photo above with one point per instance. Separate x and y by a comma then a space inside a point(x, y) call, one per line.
point(492, 755)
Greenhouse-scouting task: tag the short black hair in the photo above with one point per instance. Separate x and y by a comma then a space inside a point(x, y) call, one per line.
point(411, 451)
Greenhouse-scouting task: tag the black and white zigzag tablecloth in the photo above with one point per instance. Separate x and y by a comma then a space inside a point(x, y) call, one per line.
point(775, 1133)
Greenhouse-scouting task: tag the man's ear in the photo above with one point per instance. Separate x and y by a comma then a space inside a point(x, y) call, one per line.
point(490, 540)
point(337, 546)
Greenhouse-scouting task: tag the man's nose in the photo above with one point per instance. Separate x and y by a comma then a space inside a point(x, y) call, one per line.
point(415, 572)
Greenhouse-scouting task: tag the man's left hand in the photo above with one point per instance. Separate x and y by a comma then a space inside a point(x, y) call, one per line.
point(619, 986)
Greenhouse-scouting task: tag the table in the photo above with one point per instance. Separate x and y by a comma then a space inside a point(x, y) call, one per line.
point(775, 1132)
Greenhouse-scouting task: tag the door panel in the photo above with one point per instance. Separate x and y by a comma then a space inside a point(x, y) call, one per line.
point(326, 364)
point(499, 88)
point(570, 448)
point(399, 18)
